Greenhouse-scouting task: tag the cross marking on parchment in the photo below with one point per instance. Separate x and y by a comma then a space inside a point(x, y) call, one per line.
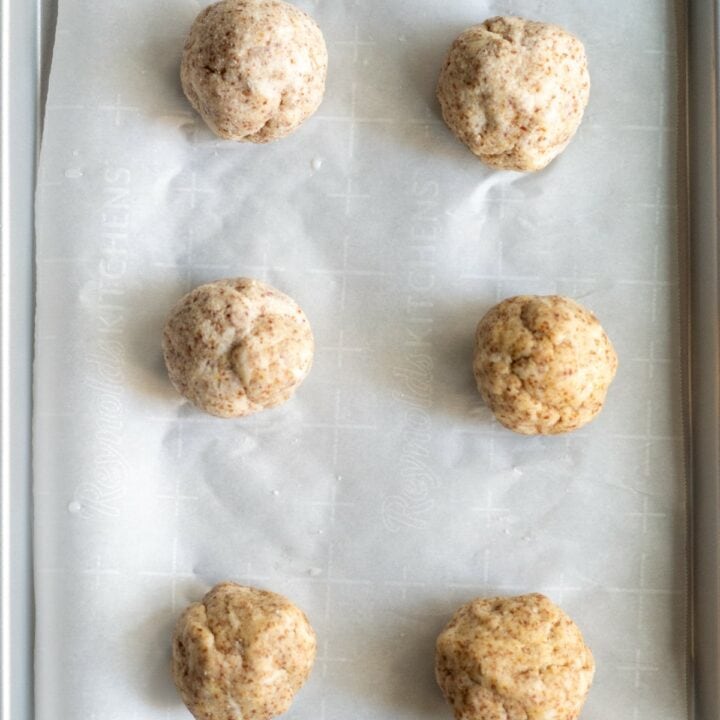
point(489, 509)
point(331, 503)
point(177, 496)
point(353, 119)
point(325, 658)
point(194, 189)
point(341, 349)
point(173, 573)
point(98, 571)
point(645, 514)
point(190, 264)
point(355, 43)
point(118, 108)
point(638, 668)
point(405, 584)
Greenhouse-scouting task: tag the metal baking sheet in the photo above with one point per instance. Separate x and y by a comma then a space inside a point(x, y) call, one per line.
point(20, 71)
point(701, 308)
point(701, 343)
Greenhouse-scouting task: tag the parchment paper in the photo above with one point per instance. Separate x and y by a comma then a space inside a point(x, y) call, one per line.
point(383, 495)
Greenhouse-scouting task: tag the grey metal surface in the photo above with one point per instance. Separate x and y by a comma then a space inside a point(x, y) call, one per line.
point(25, 53)
point(704, 366)
point(47, 19)
point(20, 63)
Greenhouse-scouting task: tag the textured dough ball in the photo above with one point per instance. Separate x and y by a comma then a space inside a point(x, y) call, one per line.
point(514, 91)
point(542, 364)
point(234, 347)
point(254, 69)
point(513, 658)
point(241, 654)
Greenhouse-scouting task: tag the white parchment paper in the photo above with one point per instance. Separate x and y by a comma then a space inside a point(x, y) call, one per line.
point(383, 495)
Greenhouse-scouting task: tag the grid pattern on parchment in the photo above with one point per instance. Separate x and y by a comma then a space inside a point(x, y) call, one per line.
point(383, 495)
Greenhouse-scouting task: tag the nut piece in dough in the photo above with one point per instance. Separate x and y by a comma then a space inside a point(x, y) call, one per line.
point(254, 69)
point(513, 658)
point(543, 364)
point(241, 654)
point(234, 347)
point(514, 91)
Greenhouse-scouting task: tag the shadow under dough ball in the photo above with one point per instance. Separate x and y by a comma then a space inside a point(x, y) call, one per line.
point(254, 69)
point(241, 654)
point(235, 347)
point(513, 658)
point(543, 364)
point(514, 91)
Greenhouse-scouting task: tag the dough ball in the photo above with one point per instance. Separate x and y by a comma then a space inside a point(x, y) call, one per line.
point(513, 658)
point(241, 654)
point(254, 69)
point(542, 364)
point(234, 347)
point(514, 91)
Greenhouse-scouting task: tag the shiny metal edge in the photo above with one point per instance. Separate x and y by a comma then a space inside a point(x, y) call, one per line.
point(20, 64)
point(703, 362)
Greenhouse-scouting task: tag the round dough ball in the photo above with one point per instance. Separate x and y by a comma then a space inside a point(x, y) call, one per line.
point(241, 654)
point(234, 347)
point(542, 364)
point(513, 658)
point(514, 91)
point(254, 69)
